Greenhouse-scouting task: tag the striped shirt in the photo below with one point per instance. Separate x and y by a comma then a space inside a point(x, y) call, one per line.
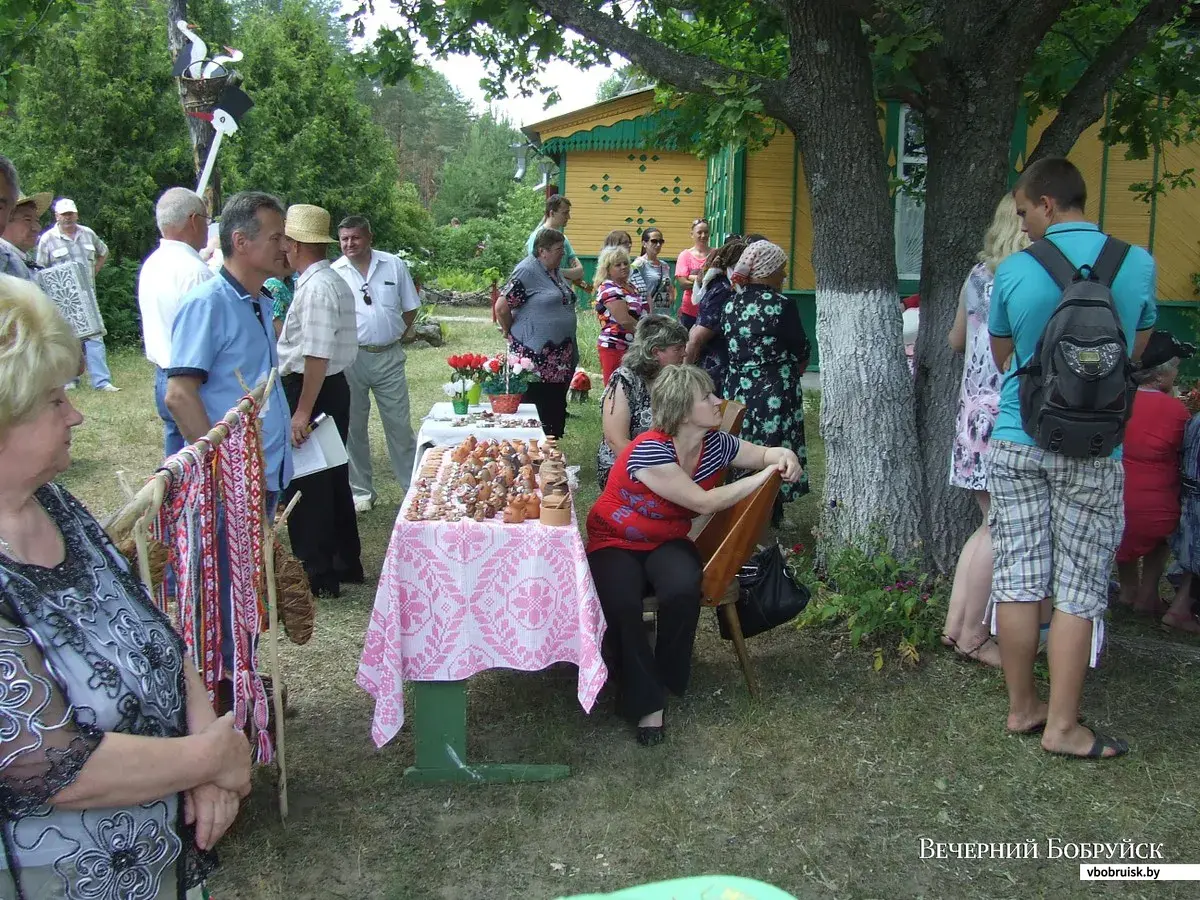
point(719, 450)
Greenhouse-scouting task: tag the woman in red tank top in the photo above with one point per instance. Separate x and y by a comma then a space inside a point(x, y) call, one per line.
point(638, 535)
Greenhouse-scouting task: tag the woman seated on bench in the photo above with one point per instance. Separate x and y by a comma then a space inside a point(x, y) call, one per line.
point(638, 541)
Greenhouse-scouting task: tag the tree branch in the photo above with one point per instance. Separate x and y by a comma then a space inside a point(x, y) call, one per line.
point(1084, 103)
point(682, 70)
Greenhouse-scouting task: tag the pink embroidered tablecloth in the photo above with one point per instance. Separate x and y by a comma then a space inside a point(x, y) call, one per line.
point(457, 598)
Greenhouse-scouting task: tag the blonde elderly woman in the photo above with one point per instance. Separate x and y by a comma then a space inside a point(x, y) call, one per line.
point(625, 407)
point(619, 306)
point(116, 777)
point(768, 352)
point(638, 535)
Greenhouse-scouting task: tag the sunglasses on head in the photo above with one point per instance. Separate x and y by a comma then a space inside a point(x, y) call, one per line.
point(366, 295)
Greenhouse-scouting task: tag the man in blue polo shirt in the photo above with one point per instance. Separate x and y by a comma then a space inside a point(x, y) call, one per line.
point(1055, 520)
point(223, 342)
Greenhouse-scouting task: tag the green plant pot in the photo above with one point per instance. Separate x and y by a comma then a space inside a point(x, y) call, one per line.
point(474, 394)
point(461, 406)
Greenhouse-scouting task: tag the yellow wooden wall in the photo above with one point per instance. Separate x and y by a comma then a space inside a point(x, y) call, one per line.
point(1166, 227)
point(769, 210)
point(632, 190)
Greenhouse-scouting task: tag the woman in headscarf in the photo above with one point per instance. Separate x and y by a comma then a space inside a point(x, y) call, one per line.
point(768, 352)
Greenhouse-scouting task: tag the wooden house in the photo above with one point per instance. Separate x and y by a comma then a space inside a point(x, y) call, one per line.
point(618, 174)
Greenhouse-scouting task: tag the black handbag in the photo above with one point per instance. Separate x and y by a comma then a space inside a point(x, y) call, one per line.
point(767, 595)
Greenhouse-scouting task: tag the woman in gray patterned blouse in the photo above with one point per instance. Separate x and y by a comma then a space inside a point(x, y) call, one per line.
point(625, 407)
point(116, 776)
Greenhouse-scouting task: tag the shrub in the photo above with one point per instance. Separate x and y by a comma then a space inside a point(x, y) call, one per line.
point(459, 280)
point(116, 294)
point(881, 600)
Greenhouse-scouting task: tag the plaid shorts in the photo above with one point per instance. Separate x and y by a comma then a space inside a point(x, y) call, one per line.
point(1055, 522)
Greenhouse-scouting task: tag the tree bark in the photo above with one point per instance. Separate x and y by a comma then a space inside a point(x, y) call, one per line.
point(200, 131)
point(872, 477)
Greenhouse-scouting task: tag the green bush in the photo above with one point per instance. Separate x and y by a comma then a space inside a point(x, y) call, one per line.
point(881, 600)
point(481, 244)
point(116, 294)
point(459, 280)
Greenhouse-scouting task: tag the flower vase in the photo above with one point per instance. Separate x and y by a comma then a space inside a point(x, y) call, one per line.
point(474, 394)
point(461, 405)
point(505, 404)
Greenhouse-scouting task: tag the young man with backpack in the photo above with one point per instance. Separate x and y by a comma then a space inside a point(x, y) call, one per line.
point(1068, 318)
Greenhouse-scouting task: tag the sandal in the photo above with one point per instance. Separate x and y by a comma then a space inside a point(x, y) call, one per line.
point(1101, 743)
point(972, 655)
point(1185, 623)
point(948, 641)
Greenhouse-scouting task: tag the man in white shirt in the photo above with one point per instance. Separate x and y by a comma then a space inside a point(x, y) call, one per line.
point(386, 303)
point(168, 273)
point(317, 346)
point(69, 240)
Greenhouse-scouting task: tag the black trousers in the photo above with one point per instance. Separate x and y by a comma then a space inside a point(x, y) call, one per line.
point(550, 398)
point(624, 578)
point(323, 527)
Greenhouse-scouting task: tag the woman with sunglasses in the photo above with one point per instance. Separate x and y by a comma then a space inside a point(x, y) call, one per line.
point(651, 276)
point(689, 269)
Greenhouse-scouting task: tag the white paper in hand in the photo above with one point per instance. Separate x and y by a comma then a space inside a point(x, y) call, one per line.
point(323, 450)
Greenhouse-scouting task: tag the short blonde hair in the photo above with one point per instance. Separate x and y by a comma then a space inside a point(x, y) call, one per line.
point(1004, 236)
point(673, 395)
point(609, 257)
point(38, 350)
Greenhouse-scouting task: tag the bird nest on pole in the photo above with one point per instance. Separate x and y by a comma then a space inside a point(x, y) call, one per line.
point(201, 94)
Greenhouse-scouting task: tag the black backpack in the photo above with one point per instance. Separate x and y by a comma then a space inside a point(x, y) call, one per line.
point(1077, 390)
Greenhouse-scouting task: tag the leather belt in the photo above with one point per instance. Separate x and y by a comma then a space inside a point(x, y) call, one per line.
point(377, 348)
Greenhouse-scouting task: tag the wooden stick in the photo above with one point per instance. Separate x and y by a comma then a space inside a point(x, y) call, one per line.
point(269, 532)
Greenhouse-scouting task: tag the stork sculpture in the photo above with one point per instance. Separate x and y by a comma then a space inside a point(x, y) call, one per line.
point(197, 51)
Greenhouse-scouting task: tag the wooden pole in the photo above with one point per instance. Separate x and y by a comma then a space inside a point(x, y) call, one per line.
point(269, 531)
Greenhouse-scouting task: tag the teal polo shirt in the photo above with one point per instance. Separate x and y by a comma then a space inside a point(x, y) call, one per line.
point(1024, 296)
point(221, 332)
point(569, 256)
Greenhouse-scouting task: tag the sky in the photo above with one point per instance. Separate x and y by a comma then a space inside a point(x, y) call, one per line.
point(577, 87)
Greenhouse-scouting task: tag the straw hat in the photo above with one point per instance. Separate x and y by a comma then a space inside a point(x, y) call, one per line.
point(40, 201)
point(308, 224)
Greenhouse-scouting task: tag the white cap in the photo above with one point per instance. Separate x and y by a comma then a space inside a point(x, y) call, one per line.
point(65, 205)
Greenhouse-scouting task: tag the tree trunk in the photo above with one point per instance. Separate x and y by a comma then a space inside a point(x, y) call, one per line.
point(967, 143)
point(200, 131)
point(873, 475)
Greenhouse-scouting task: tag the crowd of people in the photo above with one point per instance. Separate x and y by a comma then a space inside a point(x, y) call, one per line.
point(112, 731)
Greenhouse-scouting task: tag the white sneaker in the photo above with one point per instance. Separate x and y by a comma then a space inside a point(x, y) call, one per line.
point(363, 504)
point(109, 388)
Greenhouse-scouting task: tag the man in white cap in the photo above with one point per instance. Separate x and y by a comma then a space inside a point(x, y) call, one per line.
point(20, 237)
point(68, 240)
point(173, 269)
point(318, 343)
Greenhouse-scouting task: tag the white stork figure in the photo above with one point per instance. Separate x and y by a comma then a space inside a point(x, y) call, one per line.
point(198, 48)
point(219, 65)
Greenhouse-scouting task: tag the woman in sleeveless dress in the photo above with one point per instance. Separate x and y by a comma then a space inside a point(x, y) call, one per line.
point(978, 405)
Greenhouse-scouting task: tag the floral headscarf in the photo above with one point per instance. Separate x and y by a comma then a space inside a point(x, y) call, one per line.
point(762, 258)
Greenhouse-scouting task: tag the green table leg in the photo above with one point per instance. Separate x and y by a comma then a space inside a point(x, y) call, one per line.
point(440, 735)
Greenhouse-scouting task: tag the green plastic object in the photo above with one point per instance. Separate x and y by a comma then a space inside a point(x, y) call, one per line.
point(701, 887)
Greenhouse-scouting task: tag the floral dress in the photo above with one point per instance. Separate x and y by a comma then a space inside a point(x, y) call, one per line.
point(637, 395)
point(84, 652)
point(768, 352)
point(1185, 542)
point(979, 398)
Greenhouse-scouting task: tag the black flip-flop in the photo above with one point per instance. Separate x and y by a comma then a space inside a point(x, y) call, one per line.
point(1100, 743)
point(1033, 730)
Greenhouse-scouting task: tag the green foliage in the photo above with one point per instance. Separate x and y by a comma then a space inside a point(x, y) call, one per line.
point(308, 139)
point(116, 294)
point(425, 118)
point(499, 243)
point(459, 281)
point(23, 26)
point(97, 119)
point(479, 176)
point(625, 79)
point(883, 602)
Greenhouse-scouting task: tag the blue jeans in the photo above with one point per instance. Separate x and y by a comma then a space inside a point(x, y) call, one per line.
point(172, 437)
point(97, 363)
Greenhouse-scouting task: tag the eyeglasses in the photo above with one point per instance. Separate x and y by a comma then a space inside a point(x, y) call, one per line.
point(656, 240)
point(366, 295)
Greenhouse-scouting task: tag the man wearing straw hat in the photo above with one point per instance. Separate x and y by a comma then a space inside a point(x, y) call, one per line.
point(319, 341)
point(20, 237)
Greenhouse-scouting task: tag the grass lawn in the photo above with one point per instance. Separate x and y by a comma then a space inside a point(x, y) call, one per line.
point(825, 787)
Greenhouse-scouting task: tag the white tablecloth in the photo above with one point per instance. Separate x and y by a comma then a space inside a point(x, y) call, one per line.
point(437, 429)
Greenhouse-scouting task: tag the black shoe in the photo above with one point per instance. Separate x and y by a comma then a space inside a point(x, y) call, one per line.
point(352, 575)
point(324, 586)
point(650, 735)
